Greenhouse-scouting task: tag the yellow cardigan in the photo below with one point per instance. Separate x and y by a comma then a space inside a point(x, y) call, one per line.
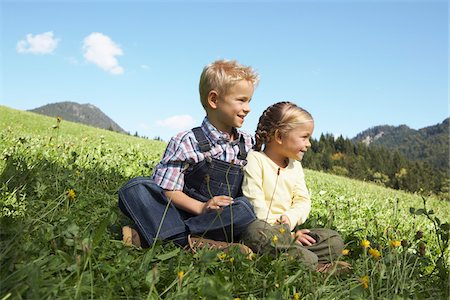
point(276, 191)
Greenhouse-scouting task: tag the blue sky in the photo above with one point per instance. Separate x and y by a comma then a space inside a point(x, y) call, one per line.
point(352, 64)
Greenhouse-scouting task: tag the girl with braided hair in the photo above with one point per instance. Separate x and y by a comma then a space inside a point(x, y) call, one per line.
point(274, 183)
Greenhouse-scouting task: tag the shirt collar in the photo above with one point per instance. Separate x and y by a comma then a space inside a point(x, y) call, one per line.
point(215, 135)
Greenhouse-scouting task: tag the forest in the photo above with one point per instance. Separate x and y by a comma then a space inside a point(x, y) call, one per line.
point(389, 168)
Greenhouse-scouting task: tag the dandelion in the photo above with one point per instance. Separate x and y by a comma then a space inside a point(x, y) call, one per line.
point(395, 244)
point(375, 253)
point(275, 239)
point(180, 275)
point(365, 243)
point(222, 255)
point(281, 230)
point(345, 252)
point(296, 296)
point(364, 281)
point(71, 194)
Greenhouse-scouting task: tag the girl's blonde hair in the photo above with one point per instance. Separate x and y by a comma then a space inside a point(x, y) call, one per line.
point(220, 75)
point(282, 117)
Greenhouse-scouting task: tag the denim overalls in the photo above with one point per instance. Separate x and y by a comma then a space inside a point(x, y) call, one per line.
point(146, 204)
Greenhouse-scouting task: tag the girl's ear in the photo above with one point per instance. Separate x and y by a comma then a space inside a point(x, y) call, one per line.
point(277, 136)
point(212, 99)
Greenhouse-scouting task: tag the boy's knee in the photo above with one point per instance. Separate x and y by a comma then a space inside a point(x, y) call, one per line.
point(244, 202)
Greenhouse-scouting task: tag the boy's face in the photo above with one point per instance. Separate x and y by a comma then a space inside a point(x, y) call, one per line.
point(230, 110)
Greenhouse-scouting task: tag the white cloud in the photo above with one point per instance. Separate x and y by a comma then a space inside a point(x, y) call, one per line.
point(180, 122)
point(145, 67)
point(99, 49)
point(43, 43)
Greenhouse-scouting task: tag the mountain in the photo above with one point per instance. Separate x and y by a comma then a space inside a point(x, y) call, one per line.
point(429, 144)
point(80, 113)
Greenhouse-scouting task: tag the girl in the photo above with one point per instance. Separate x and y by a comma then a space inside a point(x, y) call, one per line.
point(274, 183)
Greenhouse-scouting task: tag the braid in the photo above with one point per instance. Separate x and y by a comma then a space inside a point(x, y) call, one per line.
point(266, 125)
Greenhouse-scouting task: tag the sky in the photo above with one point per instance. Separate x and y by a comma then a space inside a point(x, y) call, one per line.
point(352, 64)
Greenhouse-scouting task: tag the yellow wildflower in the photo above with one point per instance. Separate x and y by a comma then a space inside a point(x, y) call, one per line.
point(275, 239)
point(395, 244)
point(364, 281)
point(296, 296)
point(345, 252)
point(71, 194)
point(281, 230)
point(222, 255)
point(365, 243)
point(231, 259)
point(180, 275)
point(375, 253)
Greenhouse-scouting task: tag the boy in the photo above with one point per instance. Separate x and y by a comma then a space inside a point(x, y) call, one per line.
point(196, 188)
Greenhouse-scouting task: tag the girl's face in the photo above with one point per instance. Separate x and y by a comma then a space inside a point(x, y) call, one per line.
point(295, 143)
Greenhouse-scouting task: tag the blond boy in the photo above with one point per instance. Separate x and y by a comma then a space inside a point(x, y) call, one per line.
point(196, 187)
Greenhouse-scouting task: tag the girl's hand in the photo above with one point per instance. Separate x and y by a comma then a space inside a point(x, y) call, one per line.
point(284, 220)
point(216, 203)
point(304, 238)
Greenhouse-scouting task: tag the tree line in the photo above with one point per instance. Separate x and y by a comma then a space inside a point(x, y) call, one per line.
point(341, 156)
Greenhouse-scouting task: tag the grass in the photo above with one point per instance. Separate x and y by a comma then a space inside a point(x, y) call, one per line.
point(60, 229)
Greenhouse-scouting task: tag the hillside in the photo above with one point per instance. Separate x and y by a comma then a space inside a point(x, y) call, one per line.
point(80, 113)
point(30, 124)
point(60, 232)
point(429, 144)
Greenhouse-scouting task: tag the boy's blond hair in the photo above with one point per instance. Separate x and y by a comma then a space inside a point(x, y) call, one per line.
point(220, 75)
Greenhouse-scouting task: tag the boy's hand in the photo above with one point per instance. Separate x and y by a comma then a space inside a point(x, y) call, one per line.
point(284, 220)
point(302, 236)
point(216, 203)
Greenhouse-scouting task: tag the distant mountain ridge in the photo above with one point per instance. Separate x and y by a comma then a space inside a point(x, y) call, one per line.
point(87, 114)
point(429, 144)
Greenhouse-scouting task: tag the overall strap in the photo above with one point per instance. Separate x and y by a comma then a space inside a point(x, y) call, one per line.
point(201, 139)
point(204, 145)
point(242, 152)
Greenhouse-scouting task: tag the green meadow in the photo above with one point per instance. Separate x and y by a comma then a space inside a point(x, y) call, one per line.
point(61, 229)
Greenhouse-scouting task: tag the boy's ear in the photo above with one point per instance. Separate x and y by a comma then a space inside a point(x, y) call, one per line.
point(212, 99)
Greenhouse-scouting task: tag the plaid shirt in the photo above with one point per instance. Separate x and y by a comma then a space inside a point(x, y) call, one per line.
point(183, 152)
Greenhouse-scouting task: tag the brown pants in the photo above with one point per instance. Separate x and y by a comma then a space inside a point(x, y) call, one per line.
point(260, 237)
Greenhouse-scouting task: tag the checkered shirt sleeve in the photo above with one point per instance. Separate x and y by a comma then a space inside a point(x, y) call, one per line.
point(179, 154)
